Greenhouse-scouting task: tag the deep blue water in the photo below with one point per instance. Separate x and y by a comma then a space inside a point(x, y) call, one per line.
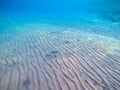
point(92, 15)
point(60, 6)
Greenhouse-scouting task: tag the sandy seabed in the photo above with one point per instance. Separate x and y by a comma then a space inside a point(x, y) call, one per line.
point(42, 57)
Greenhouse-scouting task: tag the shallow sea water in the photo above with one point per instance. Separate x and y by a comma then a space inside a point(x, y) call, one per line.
point(59, 44)
point(54, 54)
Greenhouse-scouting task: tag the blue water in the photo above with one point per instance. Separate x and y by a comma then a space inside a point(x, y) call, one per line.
point(68, 13)
point(96, 19)
point(71, 43)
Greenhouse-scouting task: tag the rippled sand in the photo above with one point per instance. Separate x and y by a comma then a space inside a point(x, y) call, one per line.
point(42, 57)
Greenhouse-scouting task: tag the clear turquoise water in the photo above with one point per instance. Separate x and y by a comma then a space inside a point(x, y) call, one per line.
point(69, 13)
point(106, 24)
point(61, 40)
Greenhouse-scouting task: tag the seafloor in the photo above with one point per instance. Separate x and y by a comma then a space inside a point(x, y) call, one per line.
point(36, 54)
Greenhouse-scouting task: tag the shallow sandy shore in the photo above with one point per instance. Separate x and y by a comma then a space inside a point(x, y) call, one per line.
point(36, 57)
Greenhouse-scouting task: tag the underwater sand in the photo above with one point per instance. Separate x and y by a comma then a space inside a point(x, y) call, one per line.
point(42, 56)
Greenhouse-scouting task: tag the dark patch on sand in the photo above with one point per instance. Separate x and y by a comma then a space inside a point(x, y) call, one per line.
point(67, 42)
point(51, 54)
point(26, 82)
